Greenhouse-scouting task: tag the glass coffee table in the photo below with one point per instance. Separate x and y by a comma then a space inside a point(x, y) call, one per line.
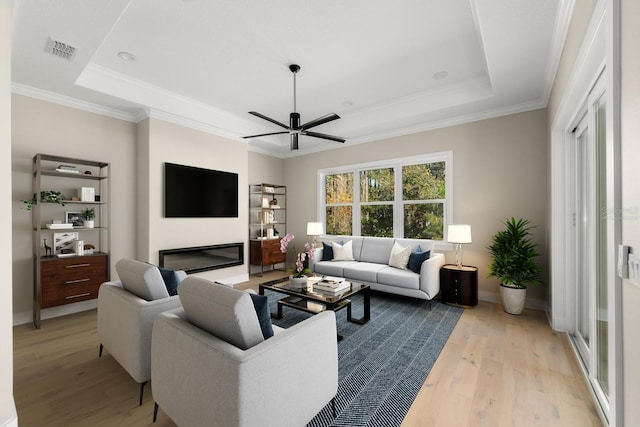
point(315, 301)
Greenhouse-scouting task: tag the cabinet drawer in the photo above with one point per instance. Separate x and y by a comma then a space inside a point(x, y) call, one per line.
point(65, 281)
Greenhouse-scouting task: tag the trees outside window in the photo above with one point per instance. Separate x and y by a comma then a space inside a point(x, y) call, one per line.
point(407, 197)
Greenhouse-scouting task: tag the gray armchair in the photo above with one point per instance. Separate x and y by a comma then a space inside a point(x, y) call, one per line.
point(126, 311)
point(199, 378)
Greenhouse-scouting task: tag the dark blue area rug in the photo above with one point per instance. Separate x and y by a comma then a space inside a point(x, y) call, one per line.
point(383, 363)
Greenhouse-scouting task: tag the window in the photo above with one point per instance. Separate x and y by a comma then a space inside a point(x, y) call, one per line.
point(408, 197)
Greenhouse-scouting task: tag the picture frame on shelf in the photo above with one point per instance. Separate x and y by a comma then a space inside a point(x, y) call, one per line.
point(64, 243)
point(265, 202)
point(74, 218)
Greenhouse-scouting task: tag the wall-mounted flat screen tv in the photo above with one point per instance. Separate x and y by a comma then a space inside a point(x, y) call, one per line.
point(191, 192)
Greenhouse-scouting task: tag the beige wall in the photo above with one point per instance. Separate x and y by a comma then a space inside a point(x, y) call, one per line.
point(630, 137)
point(168, 142)
point(500, 170)
point(43, 127)
point(8, 416)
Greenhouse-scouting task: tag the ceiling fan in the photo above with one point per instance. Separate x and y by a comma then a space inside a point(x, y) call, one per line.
point(295, 128)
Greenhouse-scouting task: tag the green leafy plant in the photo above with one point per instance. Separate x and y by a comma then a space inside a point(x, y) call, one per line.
point(89, 214)
point(514, 255)
point(46, 196)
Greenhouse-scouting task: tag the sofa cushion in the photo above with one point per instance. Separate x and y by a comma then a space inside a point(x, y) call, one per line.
point(141, 279)
point(221, 310)
point(399, 278)
point(376, 249)
point(332, 268)
point(327, 251)
point(342, 252)
point(261, 305)
point(416, 259)
point(399, 257)
point(365, 271)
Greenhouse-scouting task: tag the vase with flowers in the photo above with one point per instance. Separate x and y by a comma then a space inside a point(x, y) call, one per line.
point(299, 272)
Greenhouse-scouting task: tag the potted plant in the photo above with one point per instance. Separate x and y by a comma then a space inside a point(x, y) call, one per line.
point(514, 263)
point(46, 196)
point(299, 273)
point(89, 216)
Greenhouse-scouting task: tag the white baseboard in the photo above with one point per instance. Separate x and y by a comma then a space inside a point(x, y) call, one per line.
point(11, 419)
point(494, 297)
point(49, 313)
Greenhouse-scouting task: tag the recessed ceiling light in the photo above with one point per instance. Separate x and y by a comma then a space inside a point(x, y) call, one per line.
point(440, 75)
point(127, 56)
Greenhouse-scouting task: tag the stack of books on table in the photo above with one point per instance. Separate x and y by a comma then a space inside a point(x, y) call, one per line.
point(332, 284)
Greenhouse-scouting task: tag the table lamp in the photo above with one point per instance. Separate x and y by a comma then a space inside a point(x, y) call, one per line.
point(459, 234)
point(314, 229)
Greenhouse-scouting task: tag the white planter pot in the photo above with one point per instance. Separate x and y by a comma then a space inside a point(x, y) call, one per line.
point(89, 223)
point(298, 282)
point(513, 299)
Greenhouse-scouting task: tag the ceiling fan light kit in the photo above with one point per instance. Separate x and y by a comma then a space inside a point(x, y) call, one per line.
point(295, 129)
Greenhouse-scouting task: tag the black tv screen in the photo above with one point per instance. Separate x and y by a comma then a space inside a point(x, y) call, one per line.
point(191, 192)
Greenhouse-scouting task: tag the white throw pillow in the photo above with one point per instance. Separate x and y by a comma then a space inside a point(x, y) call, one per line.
point(343, 252)
point(399, 256)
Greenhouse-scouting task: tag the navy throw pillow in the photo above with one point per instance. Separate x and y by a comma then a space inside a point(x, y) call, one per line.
point(261, 304)
point(170, 280)
point(416, 259)
point(327, 251)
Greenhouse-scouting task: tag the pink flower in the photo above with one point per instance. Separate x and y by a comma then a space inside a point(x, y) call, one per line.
point(309, 250)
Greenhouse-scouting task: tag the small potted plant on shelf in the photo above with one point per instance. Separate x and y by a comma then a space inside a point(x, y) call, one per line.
point(46, 196)
point(299, 273)
point(89, 215)
point(513, 261)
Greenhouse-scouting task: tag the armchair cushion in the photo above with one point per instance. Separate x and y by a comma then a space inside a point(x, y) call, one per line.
point(141, 279)
point(221, 310)
point(261, 305)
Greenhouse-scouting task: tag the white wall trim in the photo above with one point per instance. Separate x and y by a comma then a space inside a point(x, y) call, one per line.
point(49, 313)
point(67, 101)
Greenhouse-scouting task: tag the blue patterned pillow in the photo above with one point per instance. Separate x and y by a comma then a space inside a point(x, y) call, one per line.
point(416, 259)
point(261, 304)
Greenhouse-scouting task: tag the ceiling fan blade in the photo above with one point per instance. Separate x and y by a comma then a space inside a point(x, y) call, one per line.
point(269, 119)
point(265, 134)
point(324, 136)
point(294, 141)
point(320, 121)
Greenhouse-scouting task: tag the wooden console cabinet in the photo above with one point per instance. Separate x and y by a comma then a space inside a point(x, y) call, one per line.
point(69, 280)
point(459, 285)
point(266, 252)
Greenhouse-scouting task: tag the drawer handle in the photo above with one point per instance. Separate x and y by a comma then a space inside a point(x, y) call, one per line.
point(70, 282)
point(77, 265)
point(78, 296)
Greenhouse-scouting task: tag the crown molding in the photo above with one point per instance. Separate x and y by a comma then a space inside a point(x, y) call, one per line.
point(67, 101)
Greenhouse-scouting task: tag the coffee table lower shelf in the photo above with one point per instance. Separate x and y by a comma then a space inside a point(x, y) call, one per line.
point(306, 305)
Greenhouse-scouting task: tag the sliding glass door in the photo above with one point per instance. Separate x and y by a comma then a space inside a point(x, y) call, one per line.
point(590, 332)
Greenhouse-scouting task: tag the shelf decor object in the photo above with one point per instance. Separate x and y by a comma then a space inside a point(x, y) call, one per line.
point(63, 272)
point(459, 234)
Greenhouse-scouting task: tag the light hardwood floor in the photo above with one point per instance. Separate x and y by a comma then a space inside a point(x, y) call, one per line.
point(495, 370)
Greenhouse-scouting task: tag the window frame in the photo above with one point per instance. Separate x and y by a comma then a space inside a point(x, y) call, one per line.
point(398, 204)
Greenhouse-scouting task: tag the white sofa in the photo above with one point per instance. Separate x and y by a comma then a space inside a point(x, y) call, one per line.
point(126, 311)
point(370, 265)
point(212, 366)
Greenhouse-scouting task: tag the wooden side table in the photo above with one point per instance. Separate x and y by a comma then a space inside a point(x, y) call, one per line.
point(459, 285)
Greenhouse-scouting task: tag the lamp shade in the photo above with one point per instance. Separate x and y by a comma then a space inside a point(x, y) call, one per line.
point(459, 233)
point(314, 229)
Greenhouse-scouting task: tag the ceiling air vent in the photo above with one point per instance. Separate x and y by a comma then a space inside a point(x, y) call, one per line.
point(58, 48)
